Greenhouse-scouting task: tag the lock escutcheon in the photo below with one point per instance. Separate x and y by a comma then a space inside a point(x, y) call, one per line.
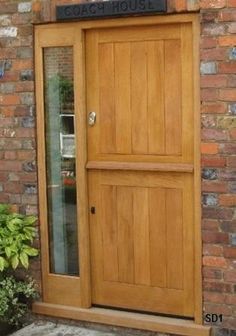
point(91, 118)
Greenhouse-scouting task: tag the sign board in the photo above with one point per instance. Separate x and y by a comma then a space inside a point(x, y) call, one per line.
point(113, 8)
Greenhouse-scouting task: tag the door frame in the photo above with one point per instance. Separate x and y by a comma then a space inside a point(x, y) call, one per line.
point(72, 34)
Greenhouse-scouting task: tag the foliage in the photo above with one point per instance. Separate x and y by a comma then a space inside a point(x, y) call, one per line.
point(15, 296)
point(17, 232)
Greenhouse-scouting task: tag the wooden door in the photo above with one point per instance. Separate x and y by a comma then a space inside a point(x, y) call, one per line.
point(140, 167)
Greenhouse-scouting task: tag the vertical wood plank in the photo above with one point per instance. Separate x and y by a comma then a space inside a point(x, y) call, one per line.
point(122, 98)
point(156, 111)
point(141, 236)
point(125, 234)
point(173, 101)
point(139, 97)
point(109, 232)
point(107, 98)
point(174, 219)
point(158, 252)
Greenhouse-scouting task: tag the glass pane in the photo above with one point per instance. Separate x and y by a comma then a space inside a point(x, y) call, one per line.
point(60, 160)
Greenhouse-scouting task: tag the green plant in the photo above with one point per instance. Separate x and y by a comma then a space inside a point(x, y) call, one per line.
point(60, 90)
point(17, 232)
point(15, 296)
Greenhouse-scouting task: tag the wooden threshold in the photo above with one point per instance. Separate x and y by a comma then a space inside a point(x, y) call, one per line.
point(143, 166)
point(146, 322)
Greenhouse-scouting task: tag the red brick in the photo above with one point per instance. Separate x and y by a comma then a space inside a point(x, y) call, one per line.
point(233, 133)
point(209, 94)
point(212, 107)
point(214, 297)
point(6, 165)
point(217, 213)
point(230, 276)
point(208, 42)
point(227, 94)
point(213, 161)
point(10, 155)
point(228, 226)
point(214, 134)
point(26, 155)
point(9, 100)
point(180, 5)
point(217, 287)
point(208, 121)
point(231, 3)
point(22, 64)
point(214, 186)
point(227, 200)
point(230, 252)
point(211, 81)
point(215, 237)
point(229, 40)
point(212, 273)
point(26, 86)
point(227, 15)
point(214, 54)
point(214, 262)
point(230, 299)
point(218, 309)
point(210, 224)
point(231, 161)
point(227, 67)
point(212, 250)
point(25, 132)
point(209, 148)
point(13, 187)
point(4, 198)
point(212, 3)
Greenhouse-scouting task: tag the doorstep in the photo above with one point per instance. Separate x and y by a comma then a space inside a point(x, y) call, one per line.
point(117, 318)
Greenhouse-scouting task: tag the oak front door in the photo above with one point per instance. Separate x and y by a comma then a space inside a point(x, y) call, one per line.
point(139, 83)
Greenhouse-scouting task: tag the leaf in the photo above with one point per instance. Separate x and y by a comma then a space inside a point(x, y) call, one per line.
point(4, 209)
point(29, 220)
point(15, 261)
point(2, 264)
point(24, 259)
point(8, 251)
point(31, 251)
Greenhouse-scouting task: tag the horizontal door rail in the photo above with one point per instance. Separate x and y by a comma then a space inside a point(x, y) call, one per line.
point(143, 166)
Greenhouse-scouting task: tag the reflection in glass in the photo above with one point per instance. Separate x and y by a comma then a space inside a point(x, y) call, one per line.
point(60, 160)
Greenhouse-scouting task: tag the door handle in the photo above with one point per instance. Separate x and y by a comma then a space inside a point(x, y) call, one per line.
point(92, 118)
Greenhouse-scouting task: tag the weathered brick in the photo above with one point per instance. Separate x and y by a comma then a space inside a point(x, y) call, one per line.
point(9, 99)
point(211, 81)
point(226, 122)
point(214, 297)
point(228, 226)
point(214, 261)
point(227, 200)
point(210, 224)
point(214, 186)
point(213, 29)
point(30, 189)
point(230, 252)
point(218, 213)
point(227, 94)
point(232, 187)
point(24, 7)
point(214, 134)
point(218, 309)
point(212, 273)
point(213, 107)
point(209, 94)
point(28, 122)
point(228, 148)
point(6, 165)
point(232, 239)
point(209, 199)
point(29, 166)
point(217, 287)
point(215, 237)
point(8, 32)
point(26, 75)
point(213, 54)
point(212, 250)
point(227, 174)
point(212, 4)
point(25, 52)
point(209, 174)
point(208, 68)
point(13, 187)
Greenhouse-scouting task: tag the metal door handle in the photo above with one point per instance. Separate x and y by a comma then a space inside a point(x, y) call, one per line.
point(91, 118)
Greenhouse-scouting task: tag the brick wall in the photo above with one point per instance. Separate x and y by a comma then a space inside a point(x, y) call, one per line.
point(18, 181)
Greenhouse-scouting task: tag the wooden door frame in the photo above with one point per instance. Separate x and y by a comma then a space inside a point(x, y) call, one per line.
point(72, 34)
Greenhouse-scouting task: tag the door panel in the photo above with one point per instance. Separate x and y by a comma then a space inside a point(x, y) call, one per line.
point(138, 95)
point(139, 83)
point(139, 239)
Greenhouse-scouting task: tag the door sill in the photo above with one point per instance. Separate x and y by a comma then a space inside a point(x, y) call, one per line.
point(146, 322)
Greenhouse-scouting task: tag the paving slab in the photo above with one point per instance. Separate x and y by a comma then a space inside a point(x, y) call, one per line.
point(57, 329)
